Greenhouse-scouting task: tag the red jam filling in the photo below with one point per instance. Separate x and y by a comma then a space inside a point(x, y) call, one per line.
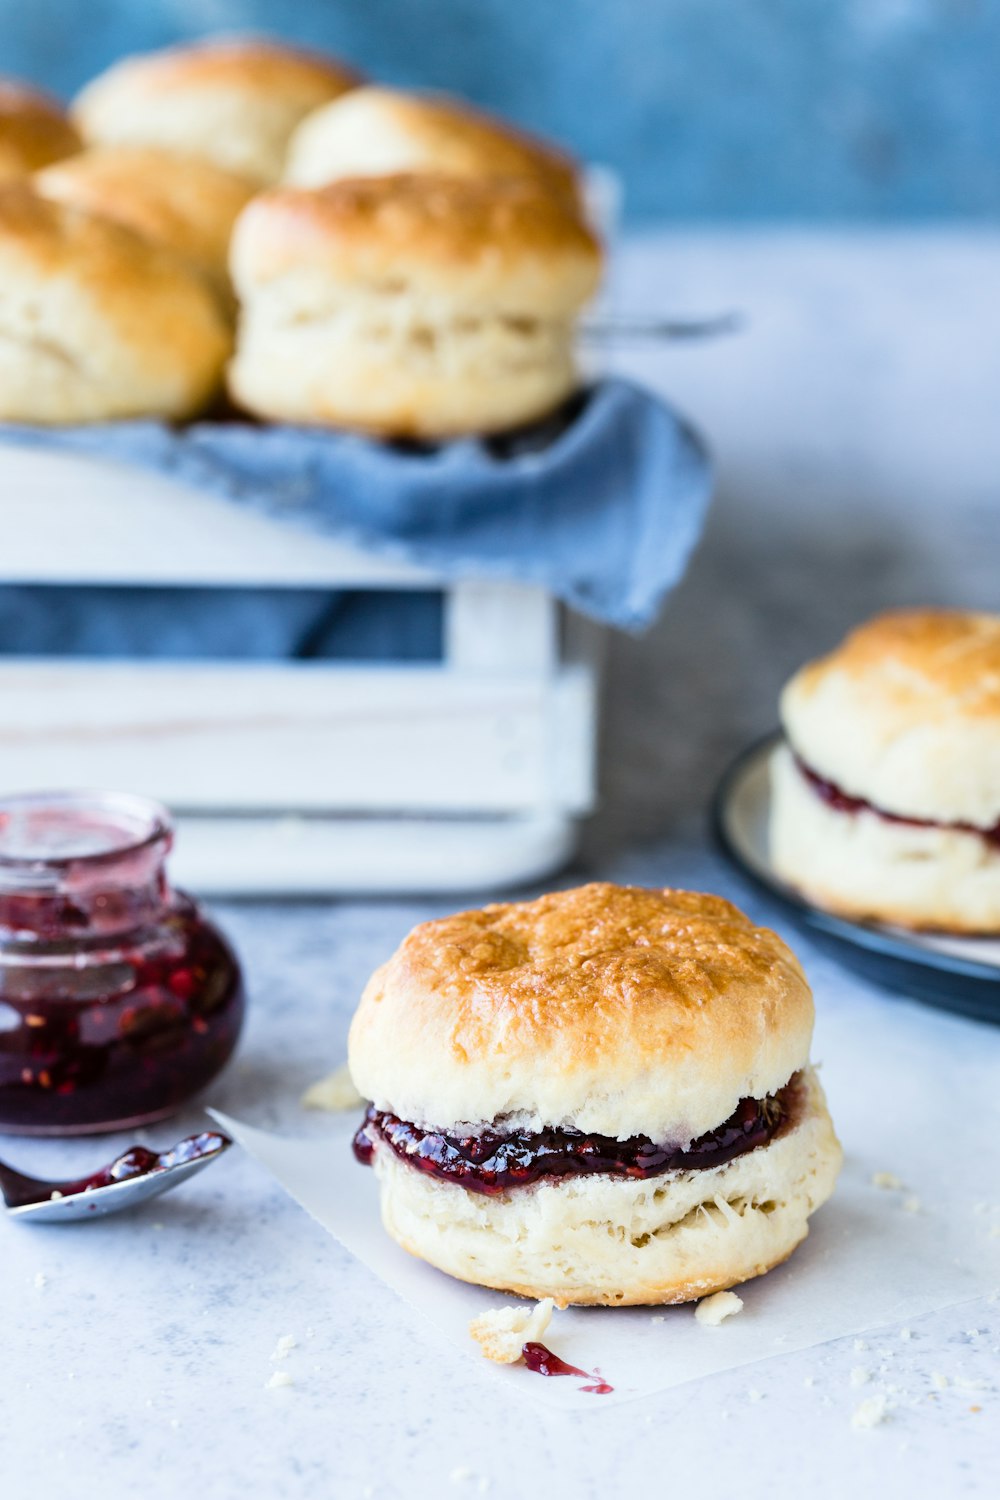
point(494, 1162)
point(841, 801)
point(540, 1359)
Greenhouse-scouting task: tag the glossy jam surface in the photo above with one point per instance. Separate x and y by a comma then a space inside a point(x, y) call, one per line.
point(118, 999)
point(139, 1161)
point(493, 1162)
point(540, 1359)
point(841, 801)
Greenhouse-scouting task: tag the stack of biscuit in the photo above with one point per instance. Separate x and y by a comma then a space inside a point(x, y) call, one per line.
point(238, 217)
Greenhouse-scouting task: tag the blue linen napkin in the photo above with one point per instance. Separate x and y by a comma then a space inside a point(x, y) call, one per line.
point(603, 511)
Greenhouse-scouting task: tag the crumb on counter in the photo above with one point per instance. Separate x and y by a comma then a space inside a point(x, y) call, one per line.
point(335, 1092)
point(283, 1348)
point(278, 1379)
point(41, 1280)
point(887, 1180)
point(906, 1333)
point(871, 1413)
point(711, 1311)
point(939, 1380)
point(911, 1205)
point(860, 1376)
point(502, 1333)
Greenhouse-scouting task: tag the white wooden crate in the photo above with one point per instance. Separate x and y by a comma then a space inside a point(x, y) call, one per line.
point(299, 776)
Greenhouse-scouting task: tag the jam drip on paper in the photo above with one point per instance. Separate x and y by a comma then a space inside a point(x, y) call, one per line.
point(493, 1162)
point(540, 1359)
point(841, 801)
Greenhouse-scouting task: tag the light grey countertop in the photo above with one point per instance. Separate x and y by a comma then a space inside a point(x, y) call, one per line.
point(859, 464)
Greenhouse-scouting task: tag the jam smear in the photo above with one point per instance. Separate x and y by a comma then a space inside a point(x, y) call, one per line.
point(139, 1161)
point(494, 1162)
point(841, 801)
point(540, 1359)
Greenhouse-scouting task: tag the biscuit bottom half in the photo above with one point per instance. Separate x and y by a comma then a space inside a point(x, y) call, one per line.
point(618, 1241)
point(862, 863)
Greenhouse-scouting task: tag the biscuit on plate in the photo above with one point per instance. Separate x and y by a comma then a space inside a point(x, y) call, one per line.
point(601, 1096)
point(409, 306)
point(234, 100)
point(34, 131)
point(186, 203)
point(886, 793)
point(377, 132)
point(96, 322)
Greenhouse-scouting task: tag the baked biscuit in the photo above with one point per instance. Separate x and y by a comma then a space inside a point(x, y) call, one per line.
point(185, 203)
point(602, 1096)
point(34, 131)
point(234, 100)
point(378, 132)
point(96, 322)
point(886, 794)
point(409, 306)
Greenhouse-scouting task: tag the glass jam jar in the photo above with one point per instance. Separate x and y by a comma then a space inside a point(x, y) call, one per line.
point(118, 999)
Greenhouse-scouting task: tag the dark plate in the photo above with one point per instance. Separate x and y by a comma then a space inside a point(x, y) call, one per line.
point(959, 974)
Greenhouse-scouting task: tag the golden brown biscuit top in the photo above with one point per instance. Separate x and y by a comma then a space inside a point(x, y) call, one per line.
point(33, 130)
point(452, 135)
point(593, 955)
point(613, 1008)
point(185, 201)
point(251, 64)
point(457, 229)
point(919, 661)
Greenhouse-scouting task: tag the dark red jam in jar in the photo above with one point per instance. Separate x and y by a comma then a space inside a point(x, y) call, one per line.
point(118, 999)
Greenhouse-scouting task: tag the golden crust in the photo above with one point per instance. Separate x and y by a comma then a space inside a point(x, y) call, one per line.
point(253, 65)
point(905, 713)
point(375, 131)
point(948, 660)
point(96, 322)
point(616, 1009)
point(183, 202)
point(34, 131)
point(507, 239)
point(235, 100)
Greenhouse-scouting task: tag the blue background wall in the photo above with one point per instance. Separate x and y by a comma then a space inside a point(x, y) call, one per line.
point(874, 109)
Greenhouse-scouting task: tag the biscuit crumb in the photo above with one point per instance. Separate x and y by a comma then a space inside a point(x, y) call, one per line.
point(714, 1310)
point(41, 1280)
point(657, 1318)
point(283, 1348)
point(335, 1092)
point(906, 1333)
point(860, 1346)
point(279, 1378)
point(754, 1395)
point(809, 1380)
point(939, 1380)
point(461, 1475)
point(911, 1205)
point(503, 1333)
point(887, 1180)
point(871, 1413)
point(860, 1376)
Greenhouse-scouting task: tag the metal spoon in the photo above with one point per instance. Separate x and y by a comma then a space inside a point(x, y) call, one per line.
point(130, 1179)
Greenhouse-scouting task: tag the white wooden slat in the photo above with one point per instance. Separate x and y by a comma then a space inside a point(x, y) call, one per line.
point(73, 519)
point(501, 627)
point(313, 856)
point(304, 735)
